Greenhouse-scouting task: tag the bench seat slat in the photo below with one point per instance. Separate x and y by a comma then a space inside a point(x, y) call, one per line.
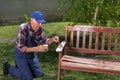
point(93, 61)
point(88, 68)
point(89, 64)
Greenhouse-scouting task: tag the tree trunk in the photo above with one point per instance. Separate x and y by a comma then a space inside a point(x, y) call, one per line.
point(95, 15)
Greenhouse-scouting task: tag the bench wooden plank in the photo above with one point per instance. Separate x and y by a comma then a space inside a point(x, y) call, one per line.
point(94, 29)
point(89, 64)
point(96, 40)
point(103, 41)
point(89, 68)
point(78, 39)
point(71, 38)
point(109, 41)
point(92, 51)
point(116, 41)
point(90, 40)
point(93, 61)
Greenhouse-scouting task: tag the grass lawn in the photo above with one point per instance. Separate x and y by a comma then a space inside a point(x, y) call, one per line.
point(48, 60)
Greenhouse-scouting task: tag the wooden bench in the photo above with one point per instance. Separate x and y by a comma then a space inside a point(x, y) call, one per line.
point(93, 41)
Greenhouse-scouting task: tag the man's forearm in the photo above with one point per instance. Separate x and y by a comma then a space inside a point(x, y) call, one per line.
point(30, 49)
point(40, 48)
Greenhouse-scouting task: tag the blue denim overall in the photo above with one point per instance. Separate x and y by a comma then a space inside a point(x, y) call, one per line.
point(28, 65)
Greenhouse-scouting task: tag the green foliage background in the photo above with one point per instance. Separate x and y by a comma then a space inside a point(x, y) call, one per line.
point(83, 11)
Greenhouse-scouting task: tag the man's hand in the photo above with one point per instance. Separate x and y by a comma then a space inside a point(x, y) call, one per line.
point(42, 48)
point(55, 39)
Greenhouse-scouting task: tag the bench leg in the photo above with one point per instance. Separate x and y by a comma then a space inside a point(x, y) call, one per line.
point(59, 73)
point(59, 62)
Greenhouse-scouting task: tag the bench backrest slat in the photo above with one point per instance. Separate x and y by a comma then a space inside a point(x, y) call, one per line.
point(84, 39)
point(90, 41)
point(103, 41)
point(116, 41)
point(78, 39)
point(71, 39)
point(96, 40)
point(93, 39)
point(109, 41)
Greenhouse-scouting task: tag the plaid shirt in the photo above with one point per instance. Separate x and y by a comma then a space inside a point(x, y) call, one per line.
point(21, 36)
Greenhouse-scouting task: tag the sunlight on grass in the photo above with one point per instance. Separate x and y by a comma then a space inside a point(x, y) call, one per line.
point(50, 28)
point(8, 31)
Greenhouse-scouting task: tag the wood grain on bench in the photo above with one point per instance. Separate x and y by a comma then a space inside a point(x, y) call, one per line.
point(90, 40)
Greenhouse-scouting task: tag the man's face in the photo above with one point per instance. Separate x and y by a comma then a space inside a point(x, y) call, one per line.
point(35, 25)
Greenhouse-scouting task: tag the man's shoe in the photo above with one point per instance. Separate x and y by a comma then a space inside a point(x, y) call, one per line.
point(6, 66)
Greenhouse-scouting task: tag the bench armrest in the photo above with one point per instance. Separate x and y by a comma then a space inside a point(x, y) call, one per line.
point(61, 46)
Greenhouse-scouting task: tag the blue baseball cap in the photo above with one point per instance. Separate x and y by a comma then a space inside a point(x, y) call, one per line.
point(38, 16)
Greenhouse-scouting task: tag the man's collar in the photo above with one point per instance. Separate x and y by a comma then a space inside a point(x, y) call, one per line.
point(30, 28)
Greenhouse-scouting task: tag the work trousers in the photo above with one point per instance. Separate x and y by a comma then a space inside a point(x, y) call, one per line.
point(26, 69)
